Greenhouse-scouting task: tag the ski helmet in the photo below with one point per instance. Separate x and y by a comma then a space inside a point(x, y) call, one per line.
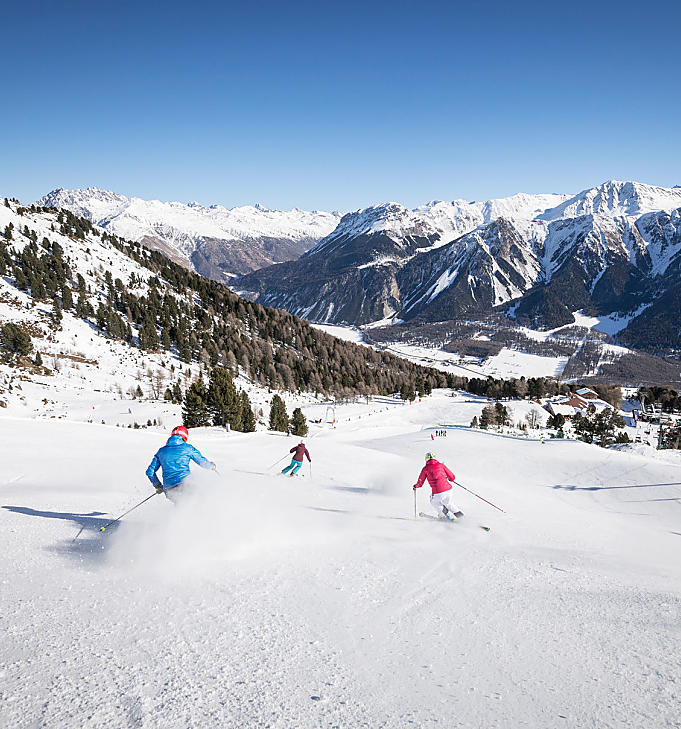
point(182, 432)
point(429, 456)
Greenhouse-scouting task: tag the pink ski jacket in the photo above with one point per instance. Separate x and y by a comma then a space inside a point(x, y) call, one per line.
point(438, 476)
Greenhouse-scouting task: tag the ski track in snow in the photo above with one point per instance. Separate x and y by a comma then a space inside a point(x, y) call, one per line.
point(266, 601)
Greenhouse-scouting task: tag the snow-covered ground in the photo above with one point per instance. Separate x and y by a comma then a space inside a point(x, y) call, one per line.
point(507, 364)
point(264, 601)
point(349, 334)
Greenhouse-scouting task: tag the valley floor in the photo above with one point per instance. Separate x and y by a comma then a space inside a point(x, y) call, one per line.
point(267, 601)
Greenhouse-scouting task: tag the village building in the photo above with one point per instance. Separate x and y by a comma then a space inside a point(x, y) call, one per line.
point(559, 408)
point(572, 403)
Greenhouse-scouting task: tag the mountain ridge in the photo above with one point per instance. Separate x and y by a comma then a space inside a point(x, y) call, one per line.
point(608, 249)
point(216, 241)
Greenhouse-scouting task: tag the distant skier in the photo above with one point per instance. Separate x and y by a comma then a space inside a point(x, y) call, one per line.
point(439, 477)
point(299, 452)
point(173, 460)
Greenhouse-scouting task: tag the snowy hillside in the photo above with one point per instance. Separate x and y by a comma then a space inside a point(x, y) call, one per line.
point(99, 330)
point(264, 601)
point(214, 239)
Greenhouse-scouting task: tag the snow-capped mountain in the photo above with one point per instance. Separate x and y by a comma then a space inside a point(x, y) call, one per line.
point(218, 242)
point(612, 248)
point(615, 199)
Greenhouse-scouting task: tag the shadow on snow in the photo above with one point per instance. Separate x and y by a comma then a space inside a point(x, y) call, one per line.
point(566, 487)
point(89, 546)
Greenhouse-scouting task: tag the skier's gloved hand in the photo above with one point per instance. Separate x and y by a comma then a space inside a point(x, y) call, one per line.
point(159, 489)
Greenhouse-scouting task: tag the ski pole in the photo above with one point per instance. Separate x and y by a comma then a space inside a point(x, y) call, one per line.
point(480, 497)
point(414, 490)
point(279, 461)
point(113, 521)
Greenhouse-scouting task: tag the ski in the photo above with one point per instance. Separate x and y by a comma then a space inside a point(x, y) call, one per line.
point(447, 521)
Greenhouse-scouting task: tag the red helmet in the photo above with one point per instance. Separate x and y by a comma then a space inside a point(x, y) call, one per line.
point(182, 432)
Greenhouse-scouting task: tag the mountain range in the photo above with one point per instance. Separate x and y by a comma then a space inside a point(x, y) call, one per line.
point(215, 241)
point(614, 249)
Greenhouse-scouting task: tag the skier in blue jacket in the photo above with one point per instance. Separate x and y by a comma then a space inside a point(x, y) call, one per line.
point(173, 460)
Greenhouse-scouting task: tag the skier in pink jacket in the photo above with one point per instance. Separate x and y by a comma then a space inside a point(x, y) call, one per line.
point(439, 477)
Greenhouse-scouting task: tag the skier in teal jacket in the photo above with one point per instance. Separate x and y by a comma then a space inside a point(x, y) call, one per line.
point(173, 460)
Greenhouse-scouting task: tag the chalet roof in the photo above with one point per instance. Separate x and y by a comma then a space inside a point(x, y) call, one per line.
point(575, 401)
point(562, 409)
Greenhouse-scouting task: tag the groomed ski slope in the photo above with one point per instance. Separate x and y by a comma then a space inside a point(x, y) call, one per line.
point(266, 601)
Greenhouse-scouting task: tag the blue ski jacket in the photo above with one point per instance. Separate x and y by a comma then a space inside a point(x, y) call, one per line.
point(173, 459)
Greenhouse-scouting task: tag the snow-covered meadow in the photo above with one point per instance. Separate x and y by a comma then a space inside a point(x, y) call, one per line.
point(266, 601)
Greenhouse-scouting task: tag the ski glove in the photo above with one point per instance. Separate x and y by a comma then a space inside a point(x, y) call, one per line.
point(159, 489)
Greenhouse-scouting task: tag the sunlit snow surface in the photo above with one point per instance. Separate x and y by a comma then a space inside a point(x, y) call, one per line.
point(181, 225)
point(265, 601)
point(508, 363)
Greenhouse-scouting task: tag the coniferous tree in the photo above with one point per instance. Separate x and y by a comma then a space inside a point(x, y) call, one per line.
point(278, 415)
point(57, 316)
point(102, 317)
point(148, 338)
point(66, 298)
point(223, 402)
point(247, 416)
point(556, 421)
point(83, 307)
point(299, 422)
point(501, 414)
point(20, 280)
point(195, 409)
point(185, 351)
point(487, 417)
point(177, 393)
point(16, 339)
point(38, 360)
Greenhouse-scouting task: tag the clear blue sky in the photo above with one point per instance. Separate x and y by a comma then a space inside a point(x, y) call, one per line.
point(338, 105)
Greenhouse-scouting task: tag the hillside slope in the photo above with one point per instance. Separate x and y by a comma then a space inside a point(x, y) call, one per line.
point(264, 601)
point(83, 297)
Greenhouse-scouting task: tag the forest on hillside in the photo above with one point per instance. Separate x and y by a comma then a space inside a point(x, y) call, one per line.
point(198, 319)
